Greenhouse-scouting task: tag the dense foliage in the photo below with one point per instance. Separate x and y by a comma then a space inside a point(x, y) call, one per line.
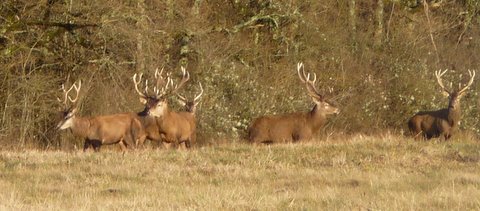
point(374, 59)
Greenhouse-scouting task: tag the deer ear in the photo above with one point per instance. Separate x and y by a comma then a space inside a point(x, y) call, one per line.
point(72, 112)
point(317, 101)
point(143, 100)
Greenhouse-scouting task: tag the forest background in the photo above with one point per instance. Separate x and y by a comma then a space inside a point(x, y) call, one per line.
point(375, 59)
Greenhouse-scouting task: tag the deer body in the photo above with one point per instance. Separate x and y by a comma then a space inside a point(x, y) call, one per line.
point(443, 122)
point(293, 127)
point(111, 129)
point(190, 106)
point(177, 128)
point(434, 123)
point(286, 128)
point(171, 127)
point(152, 131)
point(124, 129)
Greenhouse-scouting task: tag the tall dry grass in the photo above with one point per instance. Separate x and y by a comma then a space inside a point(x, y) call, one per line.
point(361, 172)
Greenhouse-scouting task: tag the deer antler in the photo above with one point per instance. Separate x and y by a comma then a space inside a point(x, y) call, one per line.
point(144, 95)
point(66, 92)
point(438, 75)
point(310, 83)
point(77, 89)
point(470, 82)
point(182, 98)
point(160, 87)
point(185, 78)
point(197, 97)
point(162, 84)
point(301, 76)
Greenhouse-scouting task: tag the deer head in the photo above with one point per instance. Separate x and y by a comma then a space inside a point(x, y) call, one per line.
point(456, 95)
point(191, 105)
point(69, 111)
point(156, 104)
point(324, 107)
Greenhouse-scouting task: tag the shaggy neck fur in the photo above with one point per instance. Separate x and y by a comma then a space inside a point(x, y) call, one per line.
point(80, 126)
point(454, 112)
point(315, 118)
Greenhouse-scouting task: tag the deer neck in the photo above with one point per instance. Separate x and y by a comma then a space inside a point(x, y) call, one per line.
point(81, 126)
point(454, 113)
point(315, 118)
point(143, 113)
point(165, 115)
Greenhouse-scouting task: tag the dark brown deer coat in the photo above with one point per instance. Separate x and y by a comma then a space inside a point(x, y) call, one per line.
point(443, 122)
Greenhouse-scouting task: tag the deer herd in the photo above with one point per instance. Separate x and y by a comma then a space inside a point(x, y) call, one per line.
point(159, 123)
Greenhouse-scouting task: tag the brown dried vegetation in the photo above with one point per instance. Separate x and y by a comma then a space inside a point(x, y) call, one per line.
point(378, 57)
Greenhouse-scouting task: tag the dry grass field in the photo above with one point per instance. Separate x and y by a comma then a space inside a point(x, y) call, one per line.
point(359, 173)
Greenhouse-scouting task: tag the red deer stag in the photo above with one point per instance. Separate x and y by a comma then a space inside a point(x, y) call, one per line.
point(294, 126)
point(189, 113)
point(432, 124)
point(124, 129)
point(173, 128)
point(149, 122)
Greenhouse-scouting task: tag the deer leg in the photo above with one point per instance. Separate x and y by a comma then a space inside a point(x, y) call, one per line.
point(184, 145)
point(140, 141)
point(96, 145)
point(86, 145)
point(172, 141)
point(176, 144)
point(416, 136)
point(123, 147)
point(446, 136)
point(167, 145)
point(187, 144)
point(129, 142)
point(295, 138)
point(181, 146)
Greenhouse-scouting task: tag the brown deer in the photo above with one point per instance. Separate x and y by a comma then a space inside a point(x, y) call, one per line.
point(440, 123)
point(149, 122)
point(124, 129)
point(173, 128)
point(297, 126)
point(190, 106)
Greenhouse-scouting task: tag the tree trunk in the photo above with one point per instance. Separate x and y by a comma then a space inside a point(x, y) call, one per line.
point(140, 38)
point(353, 23)
point(379, 32)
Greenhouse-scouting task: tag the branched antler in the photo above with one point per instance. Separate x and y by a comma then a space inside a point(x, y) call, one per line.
point(66, 97)
point(310, 83)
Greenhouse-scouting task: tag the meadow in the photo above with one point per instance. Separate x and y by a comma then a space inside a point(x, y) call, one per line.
point(375, 60)
point(356, 173)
